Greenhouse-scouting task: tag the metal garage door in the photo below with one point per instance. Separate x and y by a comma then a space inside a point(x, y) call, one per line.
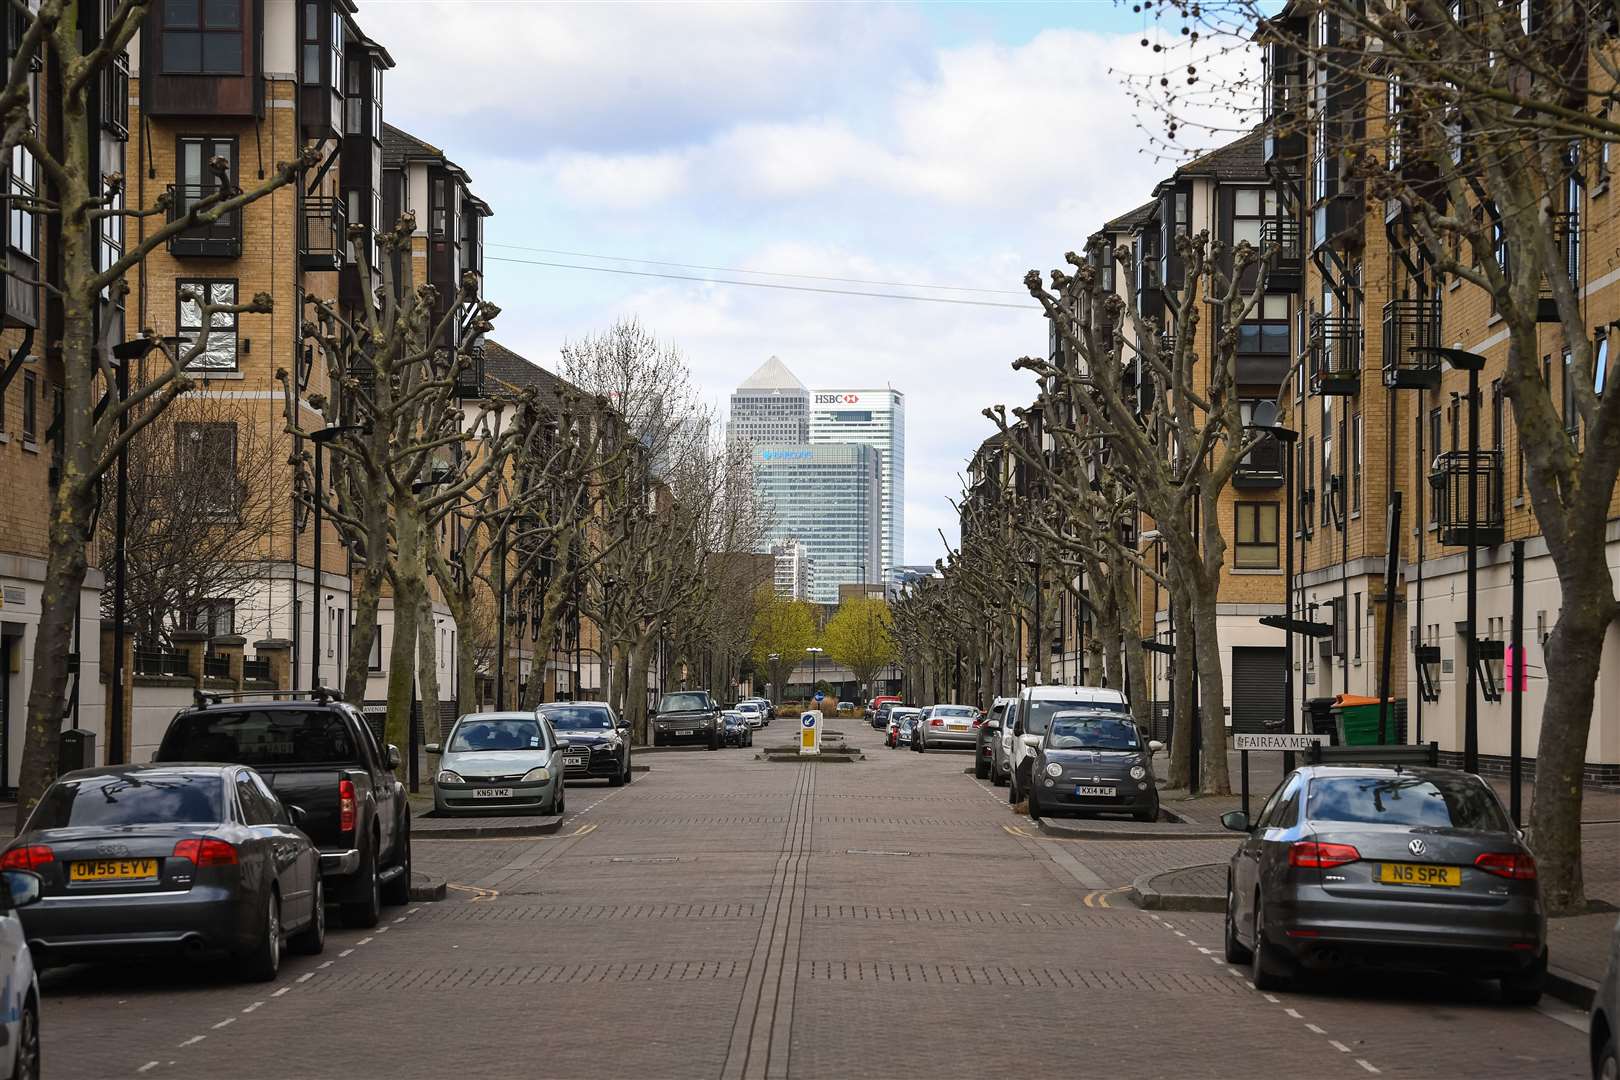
point(1257, 689)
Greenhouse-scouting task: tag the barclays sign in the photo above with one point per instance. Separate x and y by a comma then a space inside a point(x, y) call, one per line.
point(786, 455)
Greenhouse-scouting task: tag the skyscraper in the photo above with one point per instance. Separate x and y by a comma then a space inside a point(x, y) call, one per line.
point(875, 418)
point(795, 572)
point(770, 406)
point(829, 498)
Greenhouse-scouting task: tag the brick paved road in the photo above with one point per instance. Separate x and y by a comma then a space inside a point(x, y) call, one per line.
point(723, 917)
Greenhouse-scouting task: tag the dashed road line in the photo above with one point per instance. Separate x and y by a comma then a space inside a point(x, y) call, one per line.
point(1365, 1064)
point(1339, 1046)
point(227, 1022)
point(253, 1006)
point(148, 1065)
point(194, 1040)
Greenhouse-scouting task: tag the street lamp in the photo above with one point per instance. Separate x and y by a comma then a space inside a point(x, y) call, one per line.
point(320, 437)
point(815, 652)
point(1264, 420)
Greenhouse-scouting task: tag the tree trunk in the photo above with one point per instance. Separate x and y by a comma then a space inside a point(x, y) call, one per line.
point(409, 574)
point(1181, 693)
point(621, 677)
point(1215, 777)
point(466, 672)
point(1136, 680)
point(427, 661)
point(358, 670)
point(635, 691)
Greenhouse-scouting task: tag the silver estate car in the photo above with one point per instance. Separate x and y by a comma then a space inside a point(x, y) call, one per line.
point(502, 762)
point(1389, 868)
point(954, 726)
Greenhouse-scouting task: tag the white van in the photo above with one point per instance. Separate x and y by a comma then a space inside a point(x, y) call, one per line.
point(1035, 708)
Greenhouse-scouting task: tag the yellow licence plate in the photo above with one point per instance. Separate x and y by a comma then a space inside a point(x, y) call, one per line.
point(1396, 873)
point(113, 870)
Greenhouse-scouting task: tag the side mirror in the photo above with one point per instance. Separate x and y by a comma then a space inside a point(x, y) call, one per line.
point(1018, 727)
point(392, 757)
point(1155, 746)
point(1236, 820)
point(651, 711)
point(563, 744)
point(22, 887)
point(433, 748)
point(992, 725)
point(296, 814)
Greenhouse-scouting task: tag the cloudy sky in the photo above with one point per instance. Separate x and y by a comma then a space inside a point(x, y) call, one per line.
point(940, 144)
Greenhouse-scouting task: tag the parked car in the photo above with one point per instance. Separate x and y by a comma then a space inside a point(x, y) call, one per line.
point(734, 729)
point(1605, 1019)
point(1036, 706)
point(598, 740)
point(156, 860)
point(875, 711)
point(1094, 761)
point(502, 762)
point(765, 707)
point(989, 734)
point(1000, 743)
point(902, 724)
point(846, 707)
point(687, 716)
point(318, 754)
point(1386, 867)
point(952, 726)
point(880, 715)
point(752, 713)
point(20, 1028)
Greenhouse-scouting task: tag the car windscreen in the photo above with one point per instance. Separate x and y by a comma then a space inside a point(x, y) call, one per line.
point(1462, 802)
point(684, 703)
point(476, 734)
point(578, 717)
point(1071, 731)
point(260, 737)
point(747, 706)
point(132, 799)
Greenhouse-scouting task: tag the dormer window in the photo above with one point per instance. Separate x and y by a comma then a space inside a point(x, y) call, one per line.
point(202, 37)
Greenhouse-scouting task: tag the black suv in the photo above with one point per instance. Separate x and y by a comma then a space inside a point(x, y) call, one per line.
point(687, 716)
point(319, 754)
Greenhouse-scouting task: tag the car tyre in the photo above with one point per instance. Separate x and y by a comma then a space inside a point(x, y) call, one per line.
point(1265, 971)
point(1034, 804)
point(618, 778)
point(1607, 1066)
point(1235, 952)
point(1149, 814)
point(365, 913)
point(263, 961)
point(398, 889)
point(629, 774)
point(998, 777)
point(714, 741)
point(981, 768)
point(27, 1065)
point(1525, 988)
point(311, 940)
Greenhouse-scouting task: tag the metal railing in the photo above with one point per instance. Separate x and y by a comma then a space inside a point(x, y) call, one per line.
point(218, 239)
point(1410, 327)
point(216, 667)
point(1450, 479)
point(255, 670)
point(323, 236)
point(159, 662)
point(1280, 239)
point(1335, 343)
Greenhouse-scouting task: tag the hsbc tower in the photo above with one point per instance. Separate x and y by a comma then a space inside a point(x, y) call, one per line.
point(875, 418)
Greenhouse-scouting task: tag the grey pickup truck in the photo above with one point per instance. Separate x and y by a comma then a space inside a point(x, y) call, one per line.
point(323, 762)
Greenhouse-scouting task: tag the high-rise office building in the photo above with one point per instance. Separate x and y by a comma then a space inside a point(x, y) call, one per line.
point(770, 406)
point(829, 497)
point(795, 569)
point(875, 418)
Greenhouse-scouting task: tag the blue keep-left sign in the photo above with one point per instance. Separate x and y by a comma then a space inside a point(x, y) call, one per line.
point(820, 695)
point(809, 720)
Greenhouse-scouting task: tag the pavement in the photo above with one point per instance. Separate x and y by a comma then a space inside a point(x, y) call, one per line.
point(733, 918)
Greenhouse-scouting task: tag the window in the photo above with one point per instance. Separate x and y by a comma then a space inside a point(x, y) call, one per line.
point(472, 241)
point(1266, 331)
point(1434, 451)
point(1310, 478)
point(1454, 421)
point(195, 177)
point(439, 207)
point(1574, 194)
point(110, 237)
point(215, 617)
point(1251, 207)
point(1327, 460)
point(1572, 416)
point(1356, 614)
point(205, 465)
point(202, 37)
point(354, 94)
point(311, 42)
point(24, 175)
point(219, 350)
point(1256, 533)
point(1392, 121)
point(30, 418)
point(1497, 415)
point(1355, 463)
point(1499, 247)
point(1600, 362)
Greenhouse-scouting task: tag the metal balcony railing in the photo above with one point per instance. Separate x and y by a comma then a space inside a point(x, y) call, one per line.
point(1410, 327)
point(1261, 467)
point(218, 239)
point(1453, 473)
point(1565, 227)
point(323, 236)
point(1280, 241)
point(1335, 344)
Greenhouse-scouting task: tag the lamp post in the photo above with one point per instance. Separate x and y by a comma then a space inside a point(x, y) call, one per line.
point(1264, 419)
point(320, 437)
point(124, 353)
point(815, 652)
point(776, 691)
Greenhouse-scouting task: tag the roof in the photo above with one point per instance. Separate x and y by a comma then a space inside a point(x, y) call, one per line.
point(1132, 218)
point(772, 375)
point(506, 371)
point(400, 147)
point(1241, 159)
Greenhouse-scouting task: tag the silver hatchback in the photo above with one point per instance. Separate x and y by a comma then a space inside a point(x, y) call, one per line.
point(501, 762)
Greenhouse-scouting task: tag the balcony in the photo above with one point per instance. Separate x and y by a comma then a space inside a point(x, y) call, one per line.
point(1451, 477)
point(1410, 326)
point(470, 375)
point(1280, 239)
point(323, 234)
point(1261, 467)
point(218, 239)
point(1335, 355)
point(1566, 231)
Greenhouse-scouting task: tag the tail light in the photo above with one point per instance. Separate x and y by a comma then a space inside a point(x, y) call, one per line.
point(979, 721)
point(1508, 864)
point(206, 852)
point(346, 805)
point(936, 722)
point(1314, 855)
point(29, 857)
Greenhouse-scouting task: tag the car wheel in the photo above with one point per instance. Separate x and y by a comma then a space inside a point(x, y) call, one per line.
point(1264, 970)
point(1608, 1062)
point(714, 742)
point(629, 775)
point(263, 960)
point(981, 768)
point(367, 911)
point(28, 1042)
point(398, 889)
point(1034, 804)
point(311, 940)
point(1235, 952)
point(618, 778)
point(998, 777)
point(1525, 988)
point(1149, 814)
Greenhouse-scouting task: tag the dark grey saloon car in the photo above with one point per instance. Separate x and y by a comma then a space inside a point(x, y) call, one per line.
point(1388, 868)
point(1094, 761)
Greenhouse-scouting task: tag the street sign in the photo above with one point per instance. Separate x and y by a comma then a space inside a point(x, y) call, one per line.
point(1243, 741)
point(820, 695)
point(810, 732)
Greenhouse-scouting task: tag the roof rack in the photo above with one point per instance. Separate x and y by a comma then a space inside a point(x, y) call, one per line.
point(322, 694)
point(1391, 754)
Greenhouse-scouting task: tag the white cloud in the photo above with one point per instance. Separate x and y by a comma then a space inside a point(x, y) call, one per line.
point(620, 181)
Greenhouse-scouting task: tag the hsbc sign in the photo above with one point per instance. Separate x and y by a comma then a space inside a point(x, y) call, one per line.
point(838, 399)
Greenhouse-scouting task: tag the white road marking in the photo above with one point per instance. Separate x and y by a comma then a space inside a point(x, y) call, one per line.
point(399, 920)
point(1193, 943)
point(193, 1040)
point(344, 953)
point(1205, 951)
point(1365, 1064)
point(1339, 1046)
point(1316, 1029)
point(148, 1065)
point(227, 1022)
point(1294, 1013)
point(1269, 998)
point(325, 965)
point(363, 941)
point(253, 1006)
point(381, 930)
point(1180, 934)
point(306, 976)
point(413, 911)
point(283, 990)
